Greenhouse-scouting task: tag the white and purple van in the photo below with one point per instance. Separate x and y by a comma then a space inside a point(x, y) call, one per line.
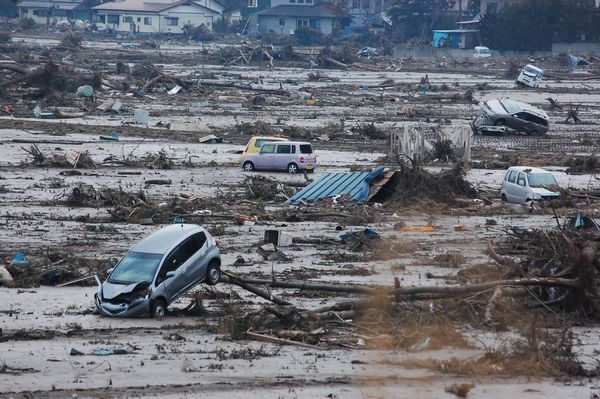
point(292, 156)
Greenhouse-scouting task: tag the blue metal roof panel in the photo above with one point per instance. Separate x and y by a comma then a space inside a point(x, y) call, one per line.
point(355, 184)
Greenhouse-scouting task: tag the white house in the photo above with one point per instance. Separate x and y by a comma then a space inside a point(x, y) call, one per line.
point(285, 16)
point(53, 11)
point(156, 16)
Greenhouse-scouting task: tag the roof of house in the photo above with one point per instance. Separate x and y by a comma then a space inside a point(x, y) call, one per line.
point(457, 31)
point(356, 185)
point(144, 6)
point(64, 4)
point(320, 11)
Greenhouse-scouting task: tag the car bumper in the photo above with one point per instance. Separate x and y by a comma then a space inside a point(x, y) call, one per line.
point(137, 308)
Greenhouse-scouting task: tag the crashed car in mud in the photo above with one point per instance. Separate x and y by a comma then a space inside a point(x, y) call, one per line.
point(500, 115)
point(159, 270)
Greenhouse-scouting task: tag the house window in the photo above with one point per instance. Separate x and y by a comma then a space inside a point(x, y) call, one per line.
point(100, 18)
point(139, 19)
point(355, 3)
point(292, 1)
point(315, 23)
point(127, 19)
point(112, 19)
point(147, 20)
point(366, 4)
point(172, 21)
point(281, 21)
point(40, 13)
point(492, 8)
point(59, 13)
point(300, 1)
point(308, 1)
point(301, 23)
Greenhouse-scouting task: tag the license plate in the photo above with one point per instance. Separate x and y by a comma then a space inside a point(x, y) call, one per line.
point(309, 166)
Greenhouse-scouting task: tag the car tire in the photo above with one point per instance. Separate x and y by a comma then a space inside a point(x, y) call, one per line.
point(213, 273)
point(292, 168)
point(500, 122)
point(503, 197)
point(248, 166)
point(158, 309)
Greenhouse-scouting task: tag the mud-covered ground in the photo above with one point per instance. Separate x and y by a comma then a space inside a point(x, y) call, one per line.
point(49, 334)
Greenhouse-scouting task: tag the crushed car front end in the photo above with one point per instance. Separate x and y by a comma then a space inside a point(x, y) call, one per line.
point(131, 300)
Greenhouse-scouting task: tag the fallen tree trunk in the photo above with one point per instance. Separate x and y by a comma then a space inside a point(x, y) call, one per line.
point(227, 278)
point(410, 291)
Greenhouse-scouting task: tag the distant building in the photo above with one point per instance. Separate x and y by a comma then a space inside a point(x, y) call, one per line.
point(156, 16)
point(490, 7)
point(53, 11)
point(285, 16)
point(365, 13)
point(455, 38)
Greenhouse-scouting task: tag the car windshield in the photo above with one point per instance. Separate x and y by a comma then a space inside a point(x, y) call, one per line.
point(541, 180)
point(511, 107)
point(532, 70)
point(135, 267)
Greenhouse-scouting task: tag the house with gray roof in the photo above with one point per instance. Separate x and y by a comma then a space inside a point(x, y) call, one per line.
point(285, 16)
point(156, 16)
point(53, 11)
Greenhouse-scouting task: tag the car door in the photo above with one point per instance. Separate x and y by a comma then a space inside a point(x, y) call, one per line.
point(282, 156)
point(511, 187)
point(198, 263)
point(265, 158)
point(521, 188)
point(178, 261)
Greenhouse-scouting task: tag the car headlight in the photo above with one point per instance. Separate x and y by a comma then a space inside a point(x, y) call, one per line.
point(537, 197)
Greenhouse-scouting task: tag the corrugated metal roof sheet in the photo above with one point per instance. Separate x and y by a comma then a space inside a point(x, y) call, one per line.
point(354, 184)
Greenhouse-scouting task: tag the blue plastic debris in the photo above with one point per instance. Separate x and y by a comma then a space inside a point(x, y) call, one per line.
point(110, 351)
point(19, 260)
point(112, 137)
point(354, 184)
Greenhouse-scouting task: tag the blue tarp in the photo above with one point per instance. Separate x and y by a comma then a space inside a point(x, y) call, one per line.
point(354, 184)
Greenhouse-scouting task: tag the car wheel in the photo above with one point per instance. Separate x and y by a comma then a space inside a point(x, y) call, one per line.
point(500, 122)
point(292, 168)
point(503, 197)
point(158, 309)
point(213, 273)
point(248, 166)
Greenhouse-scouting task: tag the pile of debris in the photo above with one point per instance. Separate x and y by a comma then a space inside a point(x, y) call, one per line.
point(415, 185)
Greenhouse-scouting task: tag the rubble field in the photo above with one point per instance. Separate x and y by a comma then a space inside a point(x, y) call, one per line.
point(455, 294)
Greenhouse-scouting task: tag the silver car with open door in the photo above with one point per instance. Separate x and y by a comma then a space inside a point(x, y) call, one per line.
point(158, 270)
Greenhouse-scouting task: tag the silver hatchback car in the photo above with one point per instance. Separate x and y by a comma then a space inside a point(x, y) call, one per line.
point(158, 270)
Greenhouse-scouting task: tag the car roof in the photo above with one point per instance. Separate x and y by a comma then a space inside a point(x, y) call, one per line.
point(162, 240)
point(534, 68)
point(481, 48)
point(289, 142)
point(498, 107)
point(272, 138)
point(530, 169)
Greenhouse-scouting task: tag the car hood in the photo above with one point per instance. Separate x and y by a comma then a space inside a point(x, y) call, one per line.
point(544, 191)
point(112, 290)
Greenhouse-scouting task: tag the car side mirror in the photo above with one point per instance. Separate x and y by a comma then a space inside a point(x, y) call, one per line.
point(169, 274)
point(109, 271)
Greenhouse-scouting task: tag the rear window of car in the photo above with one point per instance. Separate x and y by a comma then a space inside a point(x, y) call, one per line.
point(284, 149)
point(305, 149)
